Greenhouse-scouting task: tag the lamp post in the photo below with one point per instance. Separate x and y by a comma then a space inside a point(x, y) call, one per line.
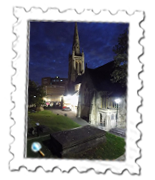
point(117, 102)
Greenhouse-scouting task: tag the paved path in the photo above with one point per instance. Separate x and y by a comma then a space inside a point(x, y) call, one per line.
point(119, 132)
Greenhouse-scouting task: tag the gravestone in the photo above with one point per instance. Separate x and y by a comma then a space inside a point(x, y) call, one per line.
point(76, 140)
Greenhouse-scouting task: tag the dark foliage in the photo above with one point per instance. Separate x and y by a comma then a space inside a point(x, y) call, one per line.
point(35, 94)
point(120, 59)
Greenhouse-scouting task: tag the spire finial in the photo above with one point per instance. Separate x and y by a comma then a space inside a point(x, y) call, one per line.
point(76, 44)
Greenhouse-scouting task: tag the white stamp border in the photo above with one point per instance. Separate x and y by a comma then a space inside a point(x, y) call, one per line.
point(19, 96)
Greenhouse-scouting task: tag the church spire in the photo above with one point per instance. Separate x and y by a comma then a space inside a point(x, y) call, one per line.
point(76, 43)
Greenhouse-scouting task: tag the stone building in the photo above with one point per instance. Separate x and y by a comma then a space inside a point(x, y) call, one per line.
point(76, 61)
point(97, 96)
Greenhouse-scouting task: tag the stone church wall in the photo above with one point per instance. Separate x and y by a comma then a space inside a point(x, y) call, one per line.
point(95, 110)
point(122, 112)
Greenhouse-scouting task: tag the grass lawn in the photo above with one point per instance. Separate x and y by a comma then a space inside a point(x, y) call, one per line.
point(112, 149)
point(52, 121)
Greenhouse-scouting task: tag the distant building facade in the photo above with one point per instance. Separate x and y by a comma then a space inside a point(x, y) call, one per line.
point(54, 88)
point(54, 81)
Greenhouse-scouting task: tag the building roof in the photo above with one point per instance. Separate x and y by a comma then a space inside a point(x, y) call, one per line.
point(101, 79)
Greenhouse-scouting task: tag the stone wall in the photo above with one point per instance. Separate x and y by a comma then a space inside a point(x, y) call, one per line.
point(122, 113)
point(103, 118)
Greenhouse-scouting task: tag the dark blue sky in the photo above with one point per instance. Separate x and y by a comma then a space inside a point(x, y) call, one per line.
point(51, 43)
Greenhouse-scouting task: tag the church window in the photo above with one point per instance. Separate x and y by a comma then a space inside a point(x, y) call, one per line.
point(104, 102)
point(76, 65)
point(104, 122)
point(80, 67)
point(100, 119)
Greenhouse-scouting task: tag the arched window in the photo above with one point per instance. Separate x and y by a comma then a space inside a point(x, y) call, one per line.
point(104, 122)
point(80, 68)
point(76, 66)
point(100, 119)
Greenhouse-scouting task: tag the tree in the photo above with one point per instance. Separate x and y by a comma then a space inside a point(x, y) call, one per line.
point(35, 94)
point(120, 60)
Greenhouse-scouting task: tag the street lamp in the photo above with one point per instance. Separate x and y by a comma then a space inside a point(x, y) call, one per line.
point(117, 101)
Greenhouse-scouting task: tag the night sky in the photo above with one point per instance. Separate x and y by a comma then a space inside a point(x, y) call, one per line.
point(51, 43)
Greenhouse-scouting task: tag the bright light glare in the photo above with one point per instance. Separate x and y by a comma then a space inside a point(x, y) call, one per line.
point(74, 100)
point(117, 101)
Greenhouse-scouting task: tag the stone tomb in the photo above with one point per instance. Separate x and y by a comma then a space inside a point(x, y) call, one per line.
point(76, 140)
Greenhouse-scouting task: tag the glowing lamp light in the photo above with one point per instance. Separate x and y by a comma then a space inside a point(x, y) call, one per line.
point(68, 96)
point(117, 101)
point(74, 100)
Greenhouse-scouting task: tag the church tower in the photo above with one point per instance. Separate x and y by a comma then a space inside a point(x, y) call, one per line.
point(76, 59)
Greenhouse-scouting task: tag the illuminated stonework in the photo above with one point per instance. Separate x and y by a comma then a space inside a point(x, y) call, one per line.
point(76, 59)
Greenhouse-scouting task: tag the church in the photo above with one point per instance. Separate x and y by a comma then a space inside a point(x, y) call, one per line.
point(100, 102)
point(76, 61)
